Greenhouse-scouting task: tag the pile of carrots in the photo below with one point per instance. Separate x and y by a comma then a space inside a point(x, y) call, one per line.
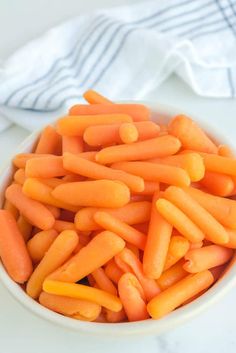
point(115, 218)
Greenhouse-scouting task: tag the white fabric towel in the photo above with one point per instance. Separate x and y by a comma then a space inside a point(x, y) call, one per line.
point(123, 53)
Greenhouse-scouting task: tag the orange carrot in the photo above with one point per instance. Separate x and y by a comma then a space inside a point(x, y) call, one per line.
point(191, 135)
point(45, 167)
point(94, 255)
point(49, 141)
point(51, 182)
point(76, 125)
point(19, 176)
point(113, 271)
point(126, 232)
point(196, 245)
point(171, 276)
point(8, 206)
point(13, 250)
point(55, 211)
point(94, 97)
point(25, 227)
point(132, 297)
point(70, 178)
point(103, 281)
point(155, 172)
point(198, 260)
point(57, 254)
point(113, 317)
point(59, 226)
point(179, 220)
point(178, 247)
point(134, 249)
point(232, 238)
point(87, 311)
point(219, 164)
point(72, 144)
point(138, 112)
point(132, 213)
point(40, 243)
point(36, 213)
point(217, 184)
point(174, 296)
point(97, 193)
point(128, 133)
point(225, 151)
point(141, 150)
point(149, 188)
point(21, 159)
point(213, 230)
point(158, 238)
point(95, 171)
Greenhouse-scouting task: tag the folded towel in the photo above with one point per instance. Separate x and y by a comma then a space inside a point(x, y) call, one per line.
point(123, 53)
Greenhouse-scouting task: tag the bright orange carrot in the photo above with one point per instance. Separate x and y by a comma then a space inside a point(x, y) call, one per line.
point(94, 170)
point(21, 159)
point(8, 206)
point(45, 167)
point(158, 239)
point(232, 238)
point(225, 151)
point(179, 220)
point(13, 250)
point(40, 243)
point(196, 245)
point(171, 276)
point(72, 144)
point(57, 254)
point(198, 260)
point(128, 133)
point(97, 193)
point(113, 317)
point(174, 296)
point(126, 232)
point(132, 297)
point(113, 271)
point(103, 281)
point(76, 125)
point(191, 135)
point(217, 184)
point(132, 213)
point(219, 164)
point(70, 178)
point(79, 291)
point(49, 141)
point(212, 229)
point(157, 147)
point(155, 172)
point(128, 262)
point(94, 255)
point(51, 182)
point(94, 97)
point(19, 176)
point(178, 247)
point(59, 225)
point(36, 213)
point(138, 112)
point(55, 211)
point(86, 310)
point(149, 188)
point(24, 227)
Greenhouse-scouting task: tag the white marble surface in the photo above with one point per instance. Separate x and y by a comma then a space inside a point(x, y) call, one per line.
point(22, 332)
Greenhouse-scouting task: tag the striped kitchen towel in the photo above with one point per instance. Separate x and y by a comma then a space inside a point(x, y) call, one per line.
point(121, 52)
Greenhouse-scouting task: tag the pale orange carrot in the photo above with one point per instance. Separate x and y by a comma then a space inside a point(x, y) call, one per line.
point(171, 276)
point(128, 133)
point(135, 250)
point(158, 239)
point(70, 178)
point(113, 271)
point(225, 151)
point(36, 213)
point(52, 182)
point(72, 144)
point(198, 260)
point(59, 225)
point(59, 251)
point(94, 97)
point(94, 170)
point(219, 164)
point(21, 159)
point(174, 296)
point(45, 167)
point(49, 141)
point(13, 252)
point(232, 238)
point(24, 227)
point(40, 243)
point(8, 206)
point(103, 281)
point(132, 297)
point(217, 184)
point(19, 176)
point(178, 247)
point(196, 245)
point(157, 147)
point(191, 135)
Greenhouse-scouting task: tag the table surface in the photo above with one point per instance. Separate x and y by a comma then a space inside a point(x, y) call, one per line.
point(21, 331)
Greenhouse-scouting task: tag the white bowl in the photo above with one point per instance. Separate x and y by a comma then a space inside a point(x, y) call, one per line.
point(160, 114)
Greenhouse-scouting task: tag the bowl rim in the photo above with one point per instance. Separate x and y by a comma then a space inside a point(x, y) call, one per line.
point(150, 326)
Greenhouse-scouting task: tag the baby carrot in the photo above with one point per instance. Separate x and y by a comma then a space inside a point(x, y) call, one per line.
point(76, 125)
point(13, 250)
point(134, 249)
point(232, 238)
point(94, 255)
point(94, 170)
point(38, 191)
point(97, 193)
point(36, 213)
point(171, 276)
point(138, 112)
point(40, 243)
point(59, 225)
point(217, 184)
point(195, 245)
point(72, 144)
point(79, 291)
point(128, 133)
point(132, 213)
point(55, 211)
point(94, 97)
point(219, 164)
point(21, 159)
point(126, 232)
point(45, 167)
point(178, 247)
point(174, 296)
point(141, 150)
point(191, 135)
point(87, 311)
point(225, 151)
point(158, 238)
point(128, 262)
point(212, 229)
point(24, 227)
point(198, 260)
point(57, 254)
point(179, 220)
point(113, 271)
point(51, 182)
point(8, 206)
point(222, 209)
point(149, 188)
point(132, 297)
point(103, 281)
point(49, 141)
point(113, 317)
point(155, 172)
point(19, 176)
